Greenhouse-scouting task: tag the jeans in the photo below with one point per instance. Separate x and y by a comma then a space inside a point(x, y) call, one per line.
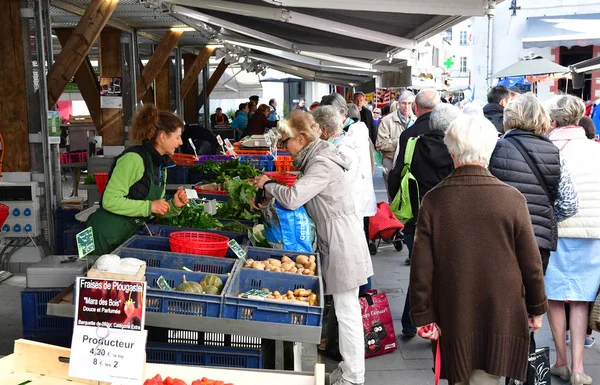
point(407, 325)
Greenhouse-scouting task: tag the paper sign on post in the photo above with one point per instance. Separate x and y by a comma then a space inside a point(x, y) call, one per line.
point(109, 339)
point(85, 242)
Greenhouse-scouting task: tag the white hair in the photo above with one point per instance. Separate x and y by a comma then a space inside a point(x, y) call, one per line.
point(473, 109)
point(328, 118)
point(442, 115)
point(337, 101)
point(471, 140)
point(406, 95)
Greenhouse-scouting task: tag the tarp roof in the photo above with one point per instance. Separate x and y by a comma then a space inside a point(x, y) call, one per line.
point(566, 31)
point(536, 66)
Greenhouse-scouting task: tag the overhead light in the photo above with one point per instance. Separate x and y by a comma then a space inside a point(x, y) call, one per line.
point(214, 46)
point(182, 29)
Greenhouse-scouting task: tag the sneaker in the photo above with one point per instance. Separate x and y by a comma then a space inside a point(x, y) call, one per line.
point(343, 381)
point(336, 375)
point(407, 261)
point(589, 342)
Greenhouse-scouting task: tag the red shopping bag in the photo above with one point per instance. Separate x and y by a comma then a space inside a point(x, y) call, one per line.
point(378, 325)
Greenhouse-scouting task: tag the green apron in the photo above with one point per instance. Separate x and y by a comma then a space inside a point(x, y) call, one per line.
point(111, 230)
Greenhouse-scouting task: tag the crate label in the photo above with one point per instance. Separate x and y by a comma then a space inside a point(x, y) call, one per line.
point(237, 249)
point(109, 339)
point(256, 294)
point(85, 242)
point(161, 282)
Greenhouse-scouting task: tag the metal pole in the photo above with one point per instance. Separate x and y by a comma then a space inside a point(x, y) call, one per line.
point(43, 95)
point(134, 70)
point(491, 12)
point(205, 77)
point(178, 70)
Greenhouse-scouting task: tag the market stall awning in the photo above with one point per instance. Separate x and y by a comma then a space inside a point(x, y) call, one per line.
point(567, 31)
point(531, 66)
point(586, 66)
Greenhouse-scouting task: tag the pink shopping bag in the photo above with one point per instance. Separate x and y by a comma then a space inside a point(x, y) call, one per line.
point(378, 325)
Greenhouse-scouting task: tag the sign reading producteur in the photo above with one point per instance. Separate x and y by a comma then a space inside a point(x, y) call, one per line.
point(108, 337)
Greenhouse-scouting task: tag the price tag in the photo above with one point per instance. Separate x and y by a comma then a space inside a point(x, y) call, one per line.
point(163, 284)
point(109, 339)
point(85, 242)
point(191, 193)
point(210, 207)
point(220, 140)
point(237, 249)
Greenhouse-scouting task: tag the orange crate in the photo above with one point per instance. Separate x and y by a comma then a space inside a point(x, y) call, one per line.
point(284, 163)
point(184, 159)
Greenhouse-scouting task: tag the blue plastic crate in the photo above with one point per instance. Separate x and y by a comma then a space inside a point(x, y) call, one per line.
point(178, 175)
point(65, 219)
point(34, 303)
point(261, 162)
point(215, 158)
point(204, 356)
point(161, 259)
point(263, 253)
point(268, 310)
point(53, 337)
point(70, 238)
point(172, 302)
point(161, 243)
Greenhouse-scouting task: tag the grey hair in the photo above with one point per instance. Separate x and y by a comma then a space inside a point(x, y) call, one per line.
point(473, 109)
point(336, 100)
point(471, 140)
point(566, 110)
point(406, 95)
point(427, 98)
point(353, 111)
point(442, 116)
point(328, 118)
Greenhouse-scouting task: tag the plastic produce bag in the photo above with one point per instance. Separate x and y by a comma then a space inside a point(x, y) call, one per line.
point(378, 325)
point(288, 229)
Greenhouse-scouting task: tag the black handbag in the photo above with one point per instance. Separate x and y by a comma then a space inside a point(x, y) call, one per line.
point(538, 366)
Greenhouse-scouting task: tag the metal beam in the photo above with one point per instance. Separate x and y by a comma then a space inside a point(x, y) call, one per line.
point(370, 55)
point(112, 22)
point(293, 17)
point(426, 7)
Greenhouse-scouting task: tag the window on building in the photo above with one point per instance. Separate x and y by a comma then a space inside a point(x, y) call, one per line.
point(463, 64)
point(448, 34)
point(435, 57)
point(463, 38)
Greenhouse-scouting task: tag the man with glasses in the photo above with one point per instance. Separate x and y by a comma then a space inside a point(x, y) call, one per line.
point(390, 128)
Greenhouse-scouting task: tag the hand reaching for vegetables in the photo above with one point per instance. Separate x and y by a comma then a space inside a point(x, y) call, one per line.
point(261, 206)
point(160, 207)
point(180, 198)
point(259, 181)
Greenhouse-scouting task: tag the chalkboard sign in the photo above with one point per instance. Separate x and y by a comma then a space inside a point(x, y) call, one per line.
point(85, 242)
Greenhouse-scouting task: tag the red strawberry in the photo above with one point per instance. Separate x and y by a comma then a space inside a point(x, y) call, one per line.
point(157, 380)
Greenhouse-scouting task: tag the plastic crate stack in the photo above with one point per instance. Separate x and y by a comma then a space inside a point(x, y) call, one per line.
point(37, 324)
point(73, 157)
point(69, 240)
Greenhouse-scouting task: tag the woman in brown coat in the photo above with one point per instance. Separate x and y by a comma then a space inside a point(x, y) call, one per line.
point(259, 122)
point(476, 273)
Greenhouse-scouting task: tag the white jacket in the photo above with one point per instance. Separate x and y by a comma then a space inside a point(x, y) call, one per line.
point(583, 158)
point(356, 149)
point(388, 132)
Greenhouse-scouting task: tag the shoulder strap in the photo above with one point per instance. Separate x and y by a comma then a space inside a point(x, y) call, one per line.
point(409, 152)
point(534, 168)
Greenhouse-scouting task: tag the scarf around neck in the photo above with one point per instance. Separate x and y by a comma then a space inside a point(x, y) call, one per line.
point(301, 155)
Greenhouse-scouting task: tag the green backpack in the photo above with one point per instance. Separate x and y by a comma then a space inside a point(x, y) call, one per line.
point(401, 206)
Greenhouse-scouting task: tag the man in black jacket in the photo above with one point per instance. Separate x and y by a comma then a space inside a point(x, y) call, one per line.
point(431, 163)
point(366, 116)
point(497, 98)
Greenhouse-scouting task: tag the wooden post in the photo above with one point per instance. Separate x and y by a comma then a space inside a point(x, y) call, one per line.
point(77, 47)
point(191, 100)
point(214, 79)
point(86, 81)
point(158, 59)
point(191, 73)
point(163, 96)
point(109, 46)
point(13, 98)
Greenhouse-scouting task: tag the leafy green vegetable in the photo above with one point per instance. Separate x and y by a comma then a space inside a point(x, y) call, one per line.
point(90, 179)
point(257, 236)
point(240, 192)
point(235, 227)
point(209, 167)
point(193, 217)
point(220, 172)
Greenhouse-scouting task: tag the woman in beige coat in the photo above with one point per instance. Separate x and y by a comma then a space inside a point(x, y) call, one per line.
point(326, 194)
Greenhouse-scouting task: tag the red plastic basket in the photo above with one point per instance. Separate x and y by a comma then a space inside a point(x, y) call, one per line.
point(101, 181)
point(199, 243)
point(283, 177)
point(3, 213)
point(184, 159)
point(241, 152)
point(201, 190)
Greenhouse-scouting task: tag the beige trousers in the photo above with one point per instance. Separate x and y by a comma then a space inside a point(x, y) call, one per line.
point(479, 377)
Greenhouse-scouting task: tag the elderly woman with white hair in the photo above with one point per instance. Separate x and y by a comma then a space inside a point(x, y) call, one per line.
point(573, 273)
point(476, 277)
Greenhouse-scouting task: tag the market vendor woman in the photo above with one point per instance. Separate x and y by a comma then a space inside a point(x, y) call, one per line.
point(137, 180)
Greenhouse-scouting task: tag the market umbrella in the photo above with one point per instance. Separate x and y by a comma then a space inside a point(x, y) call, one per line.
point(531, 66)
